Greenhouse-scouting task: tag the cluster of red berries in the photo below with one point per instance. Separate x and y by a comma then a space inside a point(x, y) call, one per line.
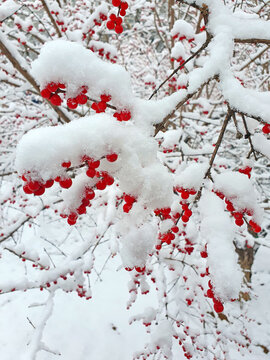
point(101, 106)
point(180, 60)
point(239, 215)
point(246, 171)
point(182, 37)
point(102, 17)
point(51, 91)
point(59, 22)
point(115, 22)
point(172, 82)
point(150, 83)
point(266, 129)
point(28, 29)
point(123, 115)
point(101, 52)
point(218, 306)
point(129, 201)
point(139, 269)
point(104, 180)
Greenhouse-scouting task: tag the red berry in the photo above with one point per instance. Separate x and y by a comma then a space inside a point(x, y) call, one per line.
point(110, 25)
point(49, 183)
point(45, 93)
point(122, 12)
point(239, 222)
point(27, 190)
point(127, 208)
point(89, 193)
point(40, 191)
point(116, 3)
point(81, 99)
point(185, 195)
point(118, 29)
point(175, 229)
point(65, 183)
point(266, 129)
point(218, 307)
point(112, 17)
point(105, 98)
point(101, 185)
point(204, 254)
point(94, 164)
point(33, 185)
point(209, 293)
point(109, 180)
point(118, 20)
point(66, 164)
point(81, 210)
point(102, 106)
point(185, 218)
point(124, 5)
point(52, 87)
point(129, 199)
point(61, 86)
point(91, 172)
point(55, 100)
point(112, 157)
point(72, 103)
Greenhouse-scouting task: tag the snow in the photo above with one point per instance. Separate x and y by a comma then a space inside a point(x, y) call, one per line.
point(8, 8)
point(218, 232)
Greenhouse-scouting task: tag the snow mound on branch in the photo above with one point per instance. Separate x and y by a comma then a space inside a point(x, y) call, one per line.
point(182, 28)
point(7, 9)
point(138, 170)
point(238, 189)
point(217, 230)
point(81, 68)
point(261, 144)
point(137, 244)
point(84, 68)
point(191, 177)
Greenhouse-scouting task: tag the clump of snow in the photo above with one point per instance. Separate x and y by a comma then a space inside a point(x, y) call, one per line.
point(183, 28)
point(137, 244)
point(8, 8)
point(217, 231)
point(191, 176)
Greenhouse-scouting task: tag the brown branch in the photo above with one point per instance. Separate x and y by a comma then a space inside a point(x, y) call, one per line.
point(182, 65)
point(253, 41)
point(29, 78)
point(51, 18)
point(248, 136)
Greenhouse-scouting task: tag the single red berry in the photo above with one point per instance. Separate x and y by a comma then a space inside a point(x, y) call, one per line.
point(109, 180)
point(40, 191)
point(129, 199)
point(218, 307)
point(102, 106)
point(127, 208)
point(185, 218)
point(94, 164)
point(112, 157)
point(188, 212)
point(112, 17)
point(65, 183)
point(204, 254)
point(105, 98)
point(61, 86)
point(266, 129)
point(66, 164)
point(118, 20)
point(116, 3)
point(91, 172)
point(185, 195)
point(72, 103)
point(122, 12)
point(209, 293)
point(101, 185)
point(71, 221)
point(49, 183)
point(89, 193)
point(33, 185)
point(52, 87)
point(45, 93)
point(175, 229)
point(110, 25)
point(81, 99)
point(27, 190)
point(124, 5)
point(81, 210)
point(118, 29)
point(55, 100)
point(239, 222)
